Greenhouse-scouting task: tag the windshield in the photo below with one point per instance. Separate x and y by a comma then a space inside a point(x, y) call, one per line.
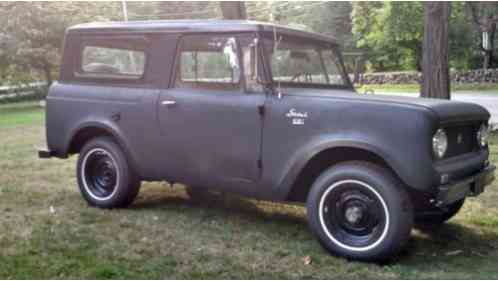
point(297, 62)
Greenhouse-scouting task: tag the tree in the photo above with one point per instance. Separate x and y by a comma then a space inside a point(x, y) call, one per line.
point(259, 10)
point(462, 35)
point(175, 10)
point(435, 70)
point(233, 10)
point(485, 16)
point(403, 28)
point(27, 45)
point(34, 31)
point(390, 33)
point(328, 18)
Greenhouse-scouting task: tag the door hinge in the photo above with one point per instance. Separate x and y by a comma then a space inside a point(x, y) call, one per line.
point(261, 110)
point(260, 164)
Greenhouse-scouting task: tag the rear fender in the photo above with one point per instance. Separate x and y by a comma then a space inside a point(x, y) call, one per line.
point(111, 129)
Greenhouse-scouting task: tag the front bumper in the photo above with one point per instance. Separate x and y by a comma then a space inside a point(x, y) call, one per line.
point(471, 186)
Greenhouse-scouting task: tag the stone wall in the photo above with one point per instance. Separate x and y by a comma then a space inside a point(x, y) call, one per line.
point(460, 77)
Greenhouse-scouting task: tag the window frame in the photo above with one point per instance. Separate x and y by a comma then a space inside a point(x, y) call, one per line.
point(186, 80)
point(239, 86)
point(267, 36)
point(107, 42)
point(262, 77)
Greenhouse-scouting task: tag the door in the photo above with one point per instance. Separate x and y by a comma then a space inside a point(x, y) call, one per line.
point(210, 123)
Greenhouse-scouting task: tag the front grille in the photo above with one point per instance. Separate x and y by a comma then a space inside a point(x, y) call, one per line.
point(461, 139)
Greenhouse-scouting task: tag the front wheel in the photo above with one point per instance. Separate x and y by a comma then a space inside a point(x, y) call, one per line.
point(360, 211)
point(105, 177)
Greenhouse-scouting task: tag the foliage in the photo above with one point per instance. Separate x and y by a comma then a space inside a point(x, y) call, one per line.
point(328, 18)
point(391, 34)
point(463, 39)
point(33, 32)
point(178, 9)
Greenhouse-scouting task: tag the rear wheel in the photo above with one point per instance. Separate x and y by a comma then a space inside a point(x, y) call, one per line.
point(360, 211)
point(105, 178)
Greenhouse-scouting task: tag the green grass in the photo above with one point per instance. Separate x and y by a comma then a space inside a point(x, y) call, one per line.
point(415, 88)
point(16, 114)
point(164, 235)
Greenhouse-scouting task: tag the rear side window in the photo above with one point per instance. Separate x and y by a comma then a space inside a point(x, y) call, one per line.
point(113, 59)
point(208, 62)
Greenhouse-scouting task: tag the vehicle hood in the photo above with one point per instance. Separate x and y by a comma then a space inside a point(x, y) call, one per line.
point(445, 110)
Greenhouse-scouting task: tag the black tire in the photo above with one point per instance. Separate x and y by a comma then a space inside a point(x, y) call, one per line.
point(105, 177)
point(439, 216)
point(373, 214)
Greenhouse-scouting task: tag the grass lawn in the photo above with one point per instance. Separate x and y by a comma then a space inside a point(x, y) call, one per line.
point(48, 231)
point(415, 88)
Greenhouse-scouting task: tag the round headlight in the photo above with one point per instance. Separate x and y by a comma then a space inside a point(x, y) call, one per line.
point(483, 135)
point(440, 143)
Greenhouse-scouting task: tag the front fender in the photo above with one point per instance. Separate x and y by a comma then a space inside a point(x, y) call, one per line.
point(401, 163)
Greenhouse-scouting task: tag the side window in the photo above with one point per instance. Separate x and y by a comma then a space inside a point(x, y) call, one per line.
point(113, 59)
point(210, 62)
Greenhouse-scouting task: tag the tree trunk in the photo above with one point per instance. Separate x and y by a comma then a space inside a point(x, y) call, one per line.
point(233, 10)
point(419, 57)
point(356, 77)
point(47, 71)
point(435, 70)
point(488, 54)
point(487, 59)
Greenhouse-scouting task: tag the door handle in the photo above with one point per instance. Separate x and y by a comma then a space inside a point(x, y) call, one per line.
point(168, 102)
point(116, 116)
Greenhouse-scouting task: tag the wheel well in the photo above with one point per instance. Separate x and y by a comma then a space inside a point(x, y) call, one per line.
point(326, 159)
point(83, 136)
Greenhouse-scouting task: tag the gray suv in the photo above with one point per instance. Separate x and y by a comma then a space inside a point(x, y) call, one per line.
point(267, 112)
